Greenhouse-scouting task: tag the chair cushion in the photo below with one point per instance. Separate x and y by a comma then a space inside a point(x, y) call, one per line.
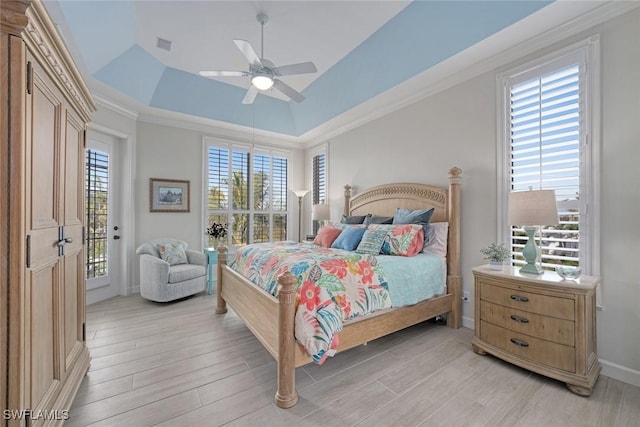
point(182, 272)
point(173, 253)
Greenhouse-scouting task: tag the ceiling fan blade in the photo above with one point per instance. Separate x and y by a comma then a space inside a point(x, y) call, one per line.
point(301, 68)
point(248, 52)
point(251, 95)
point(288, 90)
point(223, 73)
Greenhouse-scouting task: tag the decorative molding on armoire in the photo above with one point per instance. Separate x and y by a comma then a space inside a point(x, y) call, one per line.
point(42, 38)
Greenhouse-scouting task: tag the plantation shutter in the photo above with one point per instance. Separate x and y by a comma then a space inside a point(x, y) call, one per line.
point(319, 184)
point(546, 135)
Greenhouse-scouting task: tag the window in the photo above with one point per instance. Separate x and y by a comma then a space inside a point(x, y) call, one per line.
point(319, 181)
point(247, 189)
point(97, 192)
point(548, 142)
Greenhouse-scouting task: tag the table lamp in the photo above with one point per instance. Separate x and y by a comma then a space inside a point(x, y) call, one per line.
point(531, 209)
point(320, 212)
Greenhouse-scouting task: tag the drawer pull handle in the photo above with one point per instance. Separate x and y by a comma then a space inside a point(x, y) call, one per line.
point(519, 343)
point(519, 319)
point(519, 298)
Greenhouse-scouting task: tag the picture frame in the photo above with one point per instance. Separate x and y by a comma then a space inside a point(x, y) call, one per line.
point(169, 195)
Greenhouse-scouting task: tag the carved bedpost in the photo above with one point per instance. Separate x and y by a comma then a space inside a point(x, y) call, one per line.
point(221, 305)
point(347, 199)
point(454, 281)
point(286, 395)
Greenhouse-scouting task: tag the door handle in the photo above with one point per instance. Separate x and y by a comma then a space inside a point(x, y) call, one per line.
point(116, 237)
point(64, 241)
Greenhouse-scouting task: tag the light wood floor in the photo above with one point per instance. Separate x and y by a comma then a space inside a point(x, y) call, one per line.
point(179, 364)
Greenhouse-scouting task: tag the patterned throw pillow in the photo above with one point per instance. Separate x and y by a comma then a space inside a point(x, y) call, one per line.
point(173, 253)
point(402, 239)
point(420, 216)
point(371, 242)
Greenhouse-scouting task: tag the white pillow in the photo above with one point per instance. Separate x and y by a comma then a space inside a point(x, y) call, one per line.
point(437, 236)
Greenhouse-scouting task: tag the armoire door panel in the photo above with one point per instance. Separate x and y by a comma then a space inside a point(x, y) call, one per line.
point(42, 288)
point(73, 170)
point(44, 154)
point(72, 301)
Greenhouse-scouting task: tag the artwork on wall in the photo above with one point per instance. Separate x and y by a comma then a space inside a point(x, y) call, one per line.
point(168, 195)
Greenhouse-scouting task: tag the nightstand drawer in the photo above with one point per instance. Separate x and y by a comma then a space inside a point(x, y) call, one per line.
point(544, 327)
point(550, 354)
point(546, 305)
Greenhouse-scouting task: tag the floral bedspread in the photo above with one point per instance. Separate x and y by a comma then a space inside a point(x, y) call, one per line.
point(333, 286)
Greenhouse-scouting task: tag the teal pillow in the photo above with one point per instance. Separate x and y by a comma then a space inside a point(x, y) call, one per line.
point(349, 238)
point(372, 241)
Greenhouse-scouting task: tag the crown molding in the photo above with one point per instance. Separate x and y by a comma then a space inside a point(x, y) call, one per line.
point(115, 107)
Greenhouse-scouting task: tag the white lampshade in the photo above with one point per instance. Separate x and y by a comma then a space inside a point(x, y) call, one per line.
point(262, 82)
point(320, 212)
point(300, 193)
point(533, 207)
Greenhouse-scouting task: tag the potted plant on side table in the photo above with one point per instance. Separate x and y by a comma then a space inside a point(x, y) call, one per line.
point(497, 254)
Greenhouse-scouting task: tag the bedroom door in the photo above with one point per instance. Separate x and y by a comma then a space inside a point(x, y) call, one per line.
point(103, 225)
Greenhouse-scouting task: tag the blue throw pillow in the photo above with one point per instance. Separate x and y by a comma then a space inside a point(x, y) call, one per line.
point(420, 216)
point(349, 238)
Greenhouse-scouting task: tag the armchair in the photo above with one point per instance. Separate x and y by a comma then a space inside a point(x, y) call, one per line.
point(161, 281)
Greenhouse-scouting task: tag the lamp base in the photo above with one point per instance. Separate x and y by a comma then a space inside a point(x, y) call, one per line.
point(531, 269)
point(530, 253)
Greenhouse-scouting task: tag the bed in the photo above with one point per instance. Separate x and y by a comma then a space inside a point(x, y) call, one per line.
point(271, 319)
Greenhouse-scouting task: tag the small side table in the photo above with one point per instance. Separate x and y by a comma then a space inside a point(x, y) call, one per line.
point(212, 256)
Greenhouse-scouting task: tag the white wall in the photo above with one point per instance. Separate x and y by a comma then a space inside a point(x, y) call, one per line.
point(176, 153)
point(458, 127)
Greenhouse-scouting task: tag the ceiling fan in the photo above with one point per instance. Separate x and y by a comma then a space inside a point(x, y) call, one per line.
point(263, 72)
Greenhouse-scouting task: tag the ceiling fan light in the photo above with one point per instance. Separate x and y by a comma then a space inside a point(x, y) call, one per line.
point(262, 82)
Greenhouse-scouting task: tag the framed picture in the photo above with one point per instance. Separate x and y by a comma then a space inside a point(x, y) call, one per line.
point(168, 195)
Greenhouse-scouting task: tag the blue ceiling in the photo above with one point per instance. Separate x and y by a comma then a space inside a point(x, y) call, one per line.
point(420, 36)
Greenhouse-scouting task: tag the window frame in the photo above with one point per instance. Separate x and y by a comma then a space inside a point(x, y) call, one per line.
point(253, 150)
point(587, 53)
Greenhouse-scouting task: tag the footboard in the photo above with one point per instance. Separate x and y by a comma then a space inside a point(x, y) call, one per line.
point(270, 319)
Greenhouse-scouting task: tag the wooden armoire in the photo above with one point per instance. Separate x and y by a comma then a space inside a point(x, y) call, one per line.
point(44, 109)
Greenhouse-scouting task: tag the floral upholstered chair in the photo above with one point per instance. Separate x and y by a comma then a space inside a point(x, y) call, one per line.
point(168, 270)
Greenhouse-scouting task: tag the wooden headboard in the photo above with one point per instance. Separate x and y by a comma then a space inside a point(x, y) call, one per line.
point(383, 200)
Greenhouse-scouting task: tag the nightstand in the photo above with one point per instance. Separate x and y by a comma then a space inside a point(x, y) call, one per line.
point(541, 323)
point(212, 259)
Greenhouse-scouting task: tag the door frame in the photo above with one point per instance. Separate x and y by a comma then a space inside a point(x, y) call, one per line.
point(126, 159)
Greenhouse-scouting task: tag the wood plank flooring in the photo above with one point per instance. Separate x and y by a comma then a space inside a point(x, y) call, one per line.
point(180, 364)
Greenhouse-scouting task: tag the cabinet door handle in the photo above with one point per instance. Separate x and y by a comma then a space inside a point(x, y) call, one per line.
point(519, 343)
point(519, 298)
point(519, 319)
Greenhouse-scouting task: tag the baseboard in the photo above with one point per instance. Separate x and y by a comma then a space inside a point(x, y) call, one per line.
point(468, 322)
point(610, 369)
point(133, 290)
point(620, 373)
